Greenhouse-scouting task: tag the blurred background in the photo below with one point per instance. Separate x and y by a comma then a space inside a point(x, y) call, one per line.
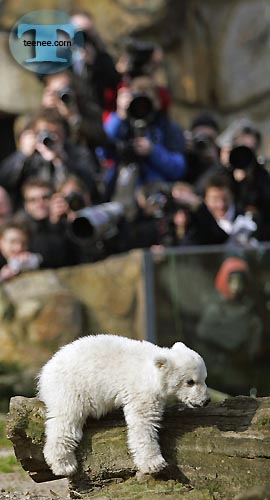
point(217, 54)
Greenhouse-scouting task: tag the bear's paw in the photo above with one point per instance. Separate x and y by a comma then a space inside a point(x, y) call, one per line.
point(153, 465)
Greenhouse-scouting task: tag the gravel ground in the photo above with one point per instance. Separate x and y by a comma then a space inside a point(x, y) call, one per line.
point(19, 486)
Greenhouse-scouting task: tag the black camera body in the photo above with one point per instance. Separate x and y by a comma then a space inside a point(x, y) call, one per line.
point(201, 143)
point(139, 56)
point(75, 201)
point(162, 202)
point(140, 114)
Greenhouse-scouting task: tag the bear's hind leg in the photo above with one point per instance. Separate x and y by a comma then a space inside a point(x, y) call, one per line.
point(62, 437)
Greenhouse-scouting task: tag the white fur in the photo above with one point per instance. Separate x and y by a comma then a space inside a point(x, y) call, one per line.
point(96, 374)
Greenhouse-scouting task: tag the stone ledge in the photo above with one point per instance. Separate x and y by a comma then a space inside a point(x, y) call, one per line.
point(222, 448)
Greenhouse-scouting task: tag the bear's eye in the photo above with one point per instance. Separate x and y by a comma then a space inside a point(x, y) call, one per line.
point(190, 382)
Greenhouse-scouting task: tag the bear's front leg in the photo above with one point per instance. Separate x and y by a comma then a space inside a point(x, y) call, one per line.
point(62, 437)
point(143, 422)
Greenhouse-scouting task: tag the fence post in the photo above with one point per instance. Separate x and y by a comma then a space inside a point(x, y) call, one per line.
point(150, 316)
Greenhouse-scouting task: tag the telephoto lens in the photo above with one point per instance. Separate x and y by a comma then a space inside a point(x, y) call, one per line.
point(242, 157)
point(66, 95)
point(96, 223)
point(46, 138)
point(140, 108)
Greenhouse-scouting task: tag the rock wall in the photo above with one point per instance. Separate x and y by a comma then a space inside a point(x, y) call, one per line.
point(214, 453)
point(217, 53)
point(43, 310)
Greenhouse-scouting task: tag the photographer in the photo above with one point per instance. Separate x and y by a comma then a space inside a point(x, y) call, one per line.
point(48, 240)
point(92, 63)
point(152, 225)
point(72, 195)
point(44, 151)
point(202, 150)
point(251, 181)
point(139, 58)
point(239, 226)
point(144, 58)
point(69, 214)
point(172, 216)
point(153, 142)
point(68, 94)
point(194, 221)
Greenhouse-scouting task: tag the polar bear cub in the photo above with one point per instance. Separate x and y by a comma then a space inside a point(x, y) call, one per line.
point(95, 374)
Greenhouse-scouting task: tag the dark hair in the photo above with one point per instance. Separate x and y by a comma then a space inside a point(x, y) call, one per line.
point(51, 116)
point(91, 35)
point(22, 123)
point(16, 223)
point(205, 118)
point(154, 187)
point(36, 182)
point(73, 178)
point(219, 181)
point(249, 130)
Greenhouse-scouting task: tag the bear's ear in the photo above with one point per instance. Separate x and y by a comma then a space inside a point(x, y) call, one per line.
point(161, 362)
point(179, 345)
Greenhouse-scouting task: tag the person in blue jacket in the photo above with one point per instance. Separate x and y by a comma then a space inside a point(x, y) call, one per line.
point(155, 143)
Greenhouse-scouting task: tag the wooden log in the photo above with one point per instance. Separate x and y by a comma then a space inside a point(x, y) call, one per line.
point(223, 448)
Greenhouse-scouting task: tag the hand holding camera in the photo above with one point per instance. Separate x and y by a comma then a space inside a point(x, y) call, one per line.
point(58, 208)
point(186, 198)
point(27, 142)
point(142, 146)
point(48, 144)
point(65, 206)
point(123, 101)
point(64, 100)
point(45, 142)
point(138, 109)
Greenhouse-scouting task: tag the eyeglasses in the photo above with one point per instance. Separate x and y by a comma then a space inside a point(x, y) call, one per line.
point(34, 199)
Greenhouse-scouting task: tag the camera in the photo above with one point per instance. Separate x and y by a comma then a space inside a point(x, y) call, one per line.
point(201, 143)
point(242, 157)
point(139, 114)
point(96, 223)
point(75, 201)
point(46, 138)
point(140, 108)
point(157, 204)
point(161, 202)
point(139, 55)
point(90, 38)
point(66, 95)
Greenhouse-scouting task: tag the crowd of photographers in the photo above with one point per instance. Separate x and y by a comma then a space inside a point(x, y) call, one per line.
point(101, 168)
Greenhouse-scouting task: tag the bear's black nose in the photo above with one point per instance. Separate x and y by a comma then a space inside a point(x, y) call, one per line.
point(207, 401)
